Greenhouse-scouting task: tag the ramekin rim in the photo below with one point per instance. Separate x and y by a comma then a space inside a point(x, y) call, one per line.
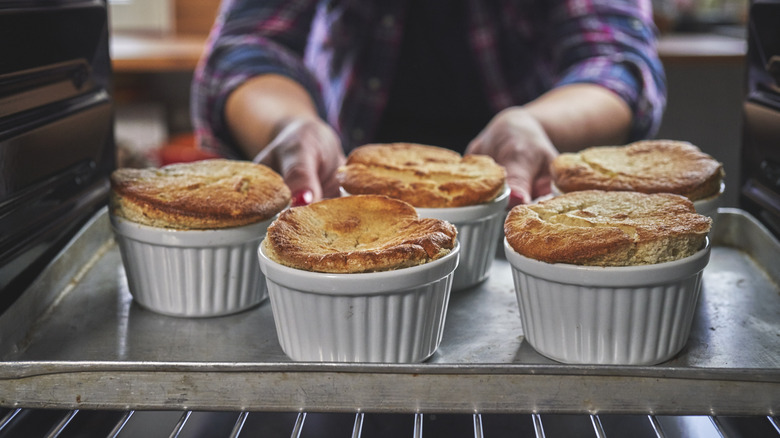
point(176, 237)
point(611, 276)
point(555, 191)
point(355, 283)
point(466, 213)
point(469, 213)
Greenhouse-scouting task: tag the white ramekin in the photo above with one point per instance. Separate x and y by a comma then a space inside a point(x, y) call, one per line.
point(480, 228)
point(705, 207)
point(709, 206)
point(625, 315)
point(390, 316)
point(192, 273)
point(479, 231)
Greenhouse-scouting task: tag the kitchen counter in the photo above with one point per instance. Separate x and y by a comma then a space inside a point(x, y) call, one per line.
point(149, 53)
point(701, 48)
point(135, 53)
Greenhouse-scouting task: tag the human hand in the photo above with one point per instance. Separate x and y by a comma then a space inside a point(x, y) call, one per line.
point(517, 141)
point(307, 153)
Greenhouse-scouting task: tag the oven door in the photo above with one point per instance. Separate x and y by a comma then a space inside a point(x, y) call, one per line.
point(56, 130)
point(760, 194)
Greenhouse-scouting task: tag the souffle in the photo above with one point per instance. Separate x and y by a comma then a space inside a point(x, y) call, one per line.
point(208, 194)
point(650, 166)
point(422, 175)
point(357, 234)
point(601, 228)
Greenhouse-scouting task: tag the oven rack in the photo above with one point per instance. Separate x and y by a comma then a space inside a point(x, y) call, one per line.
point(146, 424)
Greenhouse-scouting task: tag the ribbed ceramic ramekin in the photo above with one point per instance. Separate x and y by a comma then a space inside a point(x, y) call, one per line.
point(625, 315)
point(192, 273)
point(709, 206)
point(390, 316)
point(479, 231)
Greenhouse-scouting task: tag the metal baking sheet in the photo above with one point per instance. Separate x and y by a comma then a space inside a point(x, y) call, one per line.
point(77, 340)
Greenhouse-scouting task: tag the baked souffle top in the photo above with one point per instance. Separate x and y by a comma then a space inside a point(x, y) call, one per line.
point(353, 234)
point(422, 175)
point(208, 194)
point(649, 166)
point(602, 228)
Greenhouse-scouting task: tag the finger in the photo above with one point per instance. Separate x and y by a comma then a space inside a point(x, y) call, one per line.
point(296, 180)
point(330, 187)
point(516, 198)
point(521, 174)
point(302, 197)
point(300, 175)
point(520, 190)
point(475, 146)
point(542, 186)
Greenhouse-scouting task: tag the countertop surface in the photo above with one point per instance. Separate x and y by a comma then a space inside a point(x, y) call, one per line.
point(695, 47)
point(153, 53)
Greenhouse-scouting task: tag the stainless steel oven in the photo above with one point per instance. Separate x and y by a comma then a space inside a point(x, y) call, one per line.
point(760, 192)
point(56, 130)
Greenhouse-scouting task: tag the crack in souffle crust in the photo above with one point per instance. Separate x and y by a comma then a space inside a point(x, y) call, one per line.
point(600, 228)
point(208, 194)
point(353, 234)
point(424, 176)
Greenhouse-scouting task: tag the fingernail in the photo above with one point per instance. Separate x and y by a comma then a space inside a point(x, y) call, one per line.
point(302, 197)
point(516, 198)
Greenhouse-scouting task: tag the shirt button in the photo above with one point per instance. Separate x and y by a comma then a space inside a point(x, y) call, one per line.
point(357, 134)
point(374, 83)
point(636, 24)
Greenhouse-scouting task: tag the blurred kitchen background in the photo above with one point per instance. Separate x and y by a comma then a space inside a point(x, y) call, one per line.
point(156, 45)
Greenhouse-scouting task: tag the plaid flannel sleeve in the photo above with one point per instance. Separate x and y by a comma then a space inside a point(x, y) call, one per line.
point(249, 38)
point(613, 43)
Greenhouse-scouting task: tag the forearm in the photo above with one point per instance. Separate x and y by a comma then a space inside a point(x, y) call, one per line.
point(258, 109)
point(611, 44)
point(582, 115)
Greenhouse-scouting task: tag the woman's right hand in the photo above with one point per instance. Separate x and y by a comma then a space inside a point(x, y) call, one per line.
point(306, 152)
point(273, 119)
point(517, 141)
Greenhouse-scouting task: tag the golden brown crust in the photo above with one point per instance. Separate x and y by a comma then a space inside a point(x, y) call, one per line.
point(207, 194)
point(424, 176)
point(650, 166)
point(601, 228)
point(362, 233)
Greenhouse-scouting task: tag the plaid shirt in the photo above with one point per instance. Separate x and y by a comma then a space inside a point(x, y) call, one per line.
point(344, 52)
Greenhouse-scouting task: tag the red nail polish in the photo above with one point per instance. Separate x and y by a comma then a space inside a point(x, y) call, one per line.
point(302, 197)
point(516, 198)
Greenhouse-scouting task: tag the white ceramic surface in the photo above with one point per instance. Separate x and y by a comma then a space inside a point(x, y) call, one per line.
point(390, 316)
point(192, 273)
point(709, 206)
point(554, 190)
point(632, 315)
point(480, 228)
